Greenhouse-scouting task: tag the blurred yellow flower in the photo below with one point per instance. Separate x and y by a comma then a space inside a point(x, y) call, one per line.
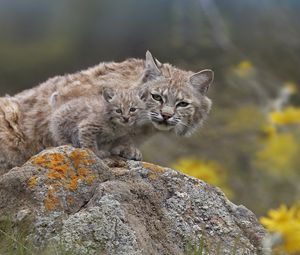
point(291, 87)
point(269, 131)
point(286, 222)
point(290, 115)
point(244, 69)
point(208, 171)
point(278, 153)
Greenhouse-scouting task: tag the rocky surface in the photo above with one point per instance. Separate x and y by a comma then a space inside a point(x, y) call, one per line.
point(115, 206)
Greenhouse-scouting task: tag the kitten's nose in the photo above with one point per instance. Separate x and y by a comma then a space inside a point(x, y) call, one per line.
point(126, 119)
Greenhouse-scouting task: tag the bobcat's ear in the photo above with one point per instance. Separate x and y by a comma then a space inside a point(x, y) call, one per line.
point(108, 94)
point(202, 80)
point(151, 68)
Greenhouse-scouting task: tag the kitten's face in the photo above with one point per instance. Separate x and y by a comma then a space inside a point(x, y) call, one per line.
point(125, 108)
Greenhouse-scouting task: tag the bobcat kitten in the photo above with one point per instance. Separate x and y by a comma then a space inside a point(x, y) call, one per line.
point(98, 123)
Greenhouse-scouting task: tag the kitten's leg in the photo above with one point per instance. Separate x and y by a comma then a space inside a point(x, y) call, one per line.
point(58, 130)
point(87, 136)
point(124, 147)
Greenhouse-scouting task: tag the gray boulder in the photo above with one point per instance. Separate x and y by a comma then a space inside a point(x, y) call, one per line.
point(114, 206)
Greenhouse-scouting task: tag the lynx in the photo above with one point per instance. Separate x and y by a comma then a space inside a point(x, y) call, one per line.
point(99, 123)
point(176, 100)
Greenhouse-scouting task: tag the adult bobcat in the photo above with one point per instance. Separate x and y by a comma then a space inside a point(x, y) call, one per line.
point(176, 101)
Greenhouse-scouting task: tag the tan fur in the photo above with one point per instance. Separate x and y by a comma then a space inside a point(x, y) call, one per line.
point(35, 103)
point(12, 139)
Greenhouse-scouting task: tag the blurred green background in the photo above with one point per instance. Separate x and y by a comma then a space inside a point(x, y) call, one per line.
point(250, 144)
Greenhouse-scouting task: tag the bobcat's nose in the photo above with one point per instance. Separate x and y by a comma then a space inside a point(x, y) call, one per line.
point(167, 112)
point(166, 116)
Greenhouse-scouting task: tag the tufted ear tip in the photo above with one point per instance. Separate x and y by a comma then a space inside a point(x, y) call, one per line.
point(202, 80)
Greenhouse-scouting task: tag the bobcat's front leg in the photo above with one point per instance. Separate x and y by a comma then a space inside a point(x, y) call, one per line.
point(125, 148)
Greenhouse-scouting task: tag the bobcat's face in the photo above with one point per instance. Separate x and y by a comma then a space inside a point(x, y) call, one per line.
point(125, 108)
point(176, 99)
point(176, 108)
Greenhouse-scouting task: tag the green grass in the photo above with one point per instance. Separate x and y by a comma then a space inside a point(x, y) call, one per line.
point(13, 241)
point(199, 247)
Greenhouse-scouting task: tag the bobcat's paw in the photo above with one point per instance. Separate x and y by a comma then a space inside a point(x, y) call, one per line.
point(128, 152)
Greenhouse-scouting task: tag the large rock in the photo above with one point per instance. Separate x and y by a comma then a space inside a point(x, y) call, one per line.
point(91, 206)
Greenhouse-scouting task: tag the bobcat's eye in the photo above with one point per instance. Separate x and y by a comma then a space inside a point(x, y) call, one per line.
point(118, 111)
point(157, 97)
point(132, 109)
point(182, 104)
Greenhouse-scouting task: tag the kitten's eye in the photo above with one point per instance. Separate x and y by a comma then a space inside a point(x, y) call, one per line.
point(132, 109)
point(157, 97)
point(182, 104)
point(118, 111)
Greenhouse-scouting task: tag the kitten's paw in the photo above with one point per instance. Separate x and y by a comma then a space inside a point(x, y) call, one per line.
point(128, 152)
point(102, 154)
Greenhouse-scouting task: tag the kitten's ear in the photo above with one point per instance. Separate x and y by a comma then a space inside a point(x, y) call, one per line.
point(143, 94)
point(202, 80)
point(151, 68)
point(108, 94)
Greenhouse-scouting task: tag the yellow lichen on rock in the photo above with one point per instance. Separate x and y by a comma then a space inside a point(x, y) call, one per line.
point(32, 181)
point(155, 170)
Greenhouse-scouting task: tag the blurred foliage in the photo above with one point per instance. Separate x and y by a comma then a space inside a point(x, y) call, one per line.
point(253, 46)
point(208, 171)
point(286, 223)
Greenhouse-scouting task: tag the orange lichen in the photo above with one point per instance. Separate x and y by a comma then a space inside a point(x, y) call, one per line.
point(89, 179)
point(70, 200)
point(73, 184)
point(39, 160)
point(32, 181)
point(81, 157)
point(153, 168)
point(59, 172)
point(66, 171)
point(51, 201)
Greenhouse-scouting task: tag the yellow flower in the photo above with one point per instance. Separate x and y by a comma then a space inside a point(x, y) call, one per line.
point(269, 131)
point(244, 69)
point(286, 222)
point(291, 87)
point(278, 153)
point(290, 115)
point(208, 171)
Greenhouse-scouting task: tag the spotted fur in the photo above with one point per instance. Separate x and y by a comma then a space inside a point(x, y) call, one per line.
point(98, 122)
point(35, 107)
